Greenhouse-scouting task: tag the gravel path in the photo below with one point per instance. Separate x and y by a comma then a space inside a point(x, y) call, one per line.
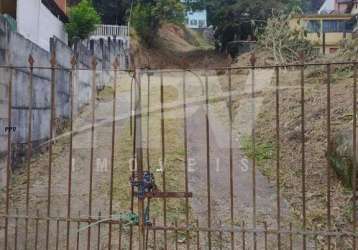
point(80, 178)
point(196, 124)
point(266, 208)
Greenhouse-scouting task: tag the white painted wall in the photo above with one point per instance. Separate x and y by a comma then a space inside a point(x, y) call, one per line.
point(196, 19)
point(38, 24)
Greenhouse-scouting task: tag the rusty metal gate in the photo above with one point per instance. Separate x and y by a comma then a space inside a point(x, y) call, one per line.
point(224, 158)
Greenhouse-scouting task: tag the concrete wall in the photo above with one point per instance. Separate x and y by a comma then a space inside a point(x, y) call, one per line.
point(38, 24)
point(14, 50)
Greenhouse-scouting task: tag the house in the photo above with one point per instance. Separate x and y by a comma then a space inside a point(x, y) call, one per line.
point(325, 31)
point(37, 20)
point(195, 19)
point(337, 7)
point(334, 22)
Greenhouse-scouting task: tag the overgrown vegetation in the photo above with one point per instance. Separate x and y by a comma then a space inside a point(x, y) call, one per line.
point(83, 19)
point(147, 17)
point(348, 49)
point(261, 152)
point(238, 19)
point(285, 44)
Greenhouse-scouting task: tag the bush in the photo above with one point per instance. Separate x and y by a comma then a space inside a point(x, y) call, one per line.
point(147, 17)
point(83, 19)
point(348, 49)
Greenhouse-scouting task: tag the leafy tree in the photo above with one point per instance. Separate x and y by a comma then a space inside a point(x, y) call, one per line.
point(239, 19)
point(83, 19)
point(113, 11)
point(148, 15)
point(284, 44)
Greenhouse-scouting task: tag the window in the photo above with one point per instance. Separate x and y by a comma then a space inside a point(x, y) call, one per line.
point(330, 26)
point(201, 23)
point(313, 26)
point(333, 50)
point(193, 22)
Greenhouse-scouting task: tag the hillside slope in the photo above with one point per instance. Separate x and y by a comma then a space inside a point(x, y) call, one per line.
point(177, 47)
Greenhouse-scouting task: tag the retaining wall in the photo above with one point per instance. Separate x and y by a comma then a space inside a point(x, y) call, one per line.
point(15, 50)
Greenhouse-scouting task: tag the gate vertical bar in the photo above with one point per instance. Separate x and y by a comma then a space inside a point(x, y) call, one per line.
point(148, 120)
point(329, 152)
point(163, 156)
point(134, 153)
point(198, 235)
point(78, 232)
point(303, 148)
point(37, 228)
point(69, 182)
point(99, 231)
point(354, 174)
point(186, 161)
point(291, 237)
point(139, 157)
point(29, 149)
point(52, 121)
point(57, 230)
point(131, 109)
point(253, 135)
point(277, 94)
point(16, 228)
point(243, 236)
point(114, 103)
point(147, 148)
point(231, 164)
point(8, 163)
point(120, 236)
point(176, 234)
point(208, 154)
point(93, 103)
point(220, 236)
point(265, 235)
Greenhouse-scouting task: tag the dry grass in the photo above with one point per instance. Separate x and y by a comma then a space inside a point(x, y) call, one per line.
point(315, 143)
point(174, 156)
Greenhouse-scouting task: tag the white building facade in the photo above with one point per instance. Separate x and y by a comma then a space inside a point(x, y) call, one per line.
point(37, 20)
point(195, 19)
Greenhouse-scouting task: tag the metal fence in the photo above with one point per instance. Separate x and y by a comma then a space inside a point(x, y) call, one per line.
point(161, 121)
point(110, 31)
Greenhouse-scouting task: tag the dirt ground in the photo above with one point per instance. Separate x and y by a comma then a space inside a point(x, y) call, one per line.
point(315, 147)
point(185, 54)
point(176, 48)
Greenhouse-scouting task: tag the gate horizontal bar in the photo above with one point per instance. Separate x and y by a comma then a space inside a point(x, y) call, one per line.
point(168, 195)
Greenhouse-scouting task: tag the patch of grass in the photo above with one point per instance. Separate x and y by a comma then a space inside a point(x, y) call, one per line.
point(200, 40)
point(261, 151)
point(105, 94)
point(174, 157)
point(341, 73)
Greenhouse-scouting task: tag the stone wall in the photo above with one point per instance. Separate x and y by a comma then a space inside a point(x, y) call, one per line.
point(15, 50)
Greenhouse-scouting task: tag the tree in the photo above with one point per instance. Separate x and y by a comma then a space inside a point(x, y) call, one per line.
point(239, 19)
point(284, 44)
point(148, 15)
point(113, 11)
point(83, 19)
